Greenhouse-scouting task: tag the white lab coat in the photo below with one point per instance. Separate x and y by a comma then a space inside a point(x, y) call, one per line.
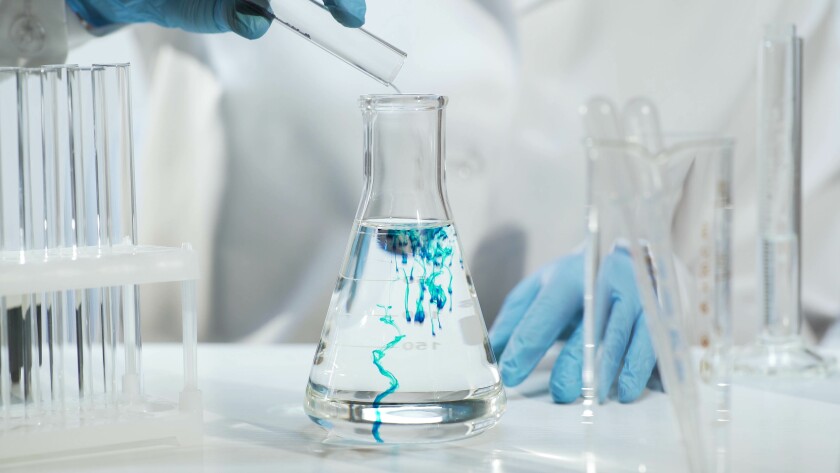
point(253, 149)
point(278, 149)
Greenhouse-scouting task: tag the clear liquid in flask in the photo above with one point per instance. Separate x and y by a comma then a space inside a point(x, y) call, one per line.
point(404, 355)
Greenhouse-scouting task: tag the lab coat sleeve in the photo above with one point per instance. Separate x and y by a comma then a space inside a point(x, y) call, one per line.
point(77, 33)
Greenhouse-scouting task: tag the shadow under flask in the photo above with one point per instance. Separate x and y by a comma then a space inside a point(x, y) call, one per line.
point(404, 355)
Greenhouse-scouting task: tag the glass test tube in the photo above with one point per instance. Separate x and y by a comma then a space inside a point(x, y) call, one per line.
point(85, 215)
point(56, 142)
point(355, 46)
point(109, 321)
point(34, 233)
point(599, 120)
point(23, 210)
point(8, 211)
point(114, 95)
point(115, 224)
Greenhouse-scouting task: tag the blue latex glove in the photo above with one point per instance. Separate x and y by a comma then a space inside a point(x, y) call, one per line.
point(350, 13)
point(549, 305)
point(199, 16)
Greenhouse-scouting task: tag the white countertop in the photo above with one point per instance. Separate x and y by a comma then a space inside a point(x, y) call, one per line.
point(254, 421)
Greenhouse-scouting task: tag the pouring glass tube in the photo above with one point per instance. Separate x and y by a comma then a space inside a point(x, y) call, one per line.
point(355, 46)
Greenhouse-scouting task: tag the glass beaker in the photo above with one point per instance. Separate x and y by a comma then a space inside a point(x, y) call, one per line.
point(659, 224)
point(404, 355)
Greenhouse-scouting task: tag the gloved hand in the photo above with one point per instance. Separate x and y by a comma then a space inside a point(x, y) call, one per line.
point(549, 305)
point(199, 16)
point(350, 13)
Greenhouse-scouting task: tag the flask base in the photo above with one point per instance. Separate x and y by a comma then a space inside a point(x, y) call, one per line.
point(443, 420)
point(787, 358)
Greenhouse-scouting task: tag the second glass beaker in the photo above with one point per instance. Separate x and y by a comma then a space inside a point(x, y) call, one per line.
point(404, 355)
point(664, 217)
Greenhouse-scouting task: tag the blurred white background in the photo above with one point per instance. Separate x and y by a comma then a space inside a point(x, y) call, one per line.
point(252, 150)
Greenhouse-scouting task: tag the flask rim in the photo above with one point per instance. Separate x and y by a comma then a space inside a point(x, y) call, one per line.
point(403, 102)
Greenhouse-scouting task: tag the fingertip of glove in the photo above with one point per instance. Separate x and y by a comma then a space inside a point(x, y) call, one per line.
point(251, 27)
point(565, 384)
point(563, 393)
point(603, 392)
point(605, 379)
point(351, 16)
point(496, 344)
point(628, 389)
point(511, 375)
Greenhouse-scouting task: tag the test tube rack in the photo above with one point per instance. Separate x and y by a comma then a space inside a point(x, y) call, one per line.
point(71, 378)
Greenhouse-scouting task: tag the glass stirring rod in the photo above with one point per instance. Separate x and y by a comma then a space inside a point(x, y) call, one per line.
point(355, 46)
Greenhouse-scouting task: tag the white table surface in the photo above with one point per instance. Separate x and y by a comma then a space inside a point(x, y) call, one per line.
point(254, 421)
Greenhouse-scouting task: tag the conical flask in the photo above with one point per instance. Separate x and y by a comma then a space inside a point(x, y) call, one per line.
point(404, 356)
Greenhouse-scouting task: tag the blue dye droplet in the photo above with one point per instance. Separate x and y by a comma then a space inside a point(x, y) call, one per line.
point(430, 248)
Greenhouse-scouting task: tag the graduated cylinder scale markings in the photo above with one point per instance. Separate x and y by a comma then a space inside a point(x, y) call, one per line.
point(779, 165)
point(780, 350)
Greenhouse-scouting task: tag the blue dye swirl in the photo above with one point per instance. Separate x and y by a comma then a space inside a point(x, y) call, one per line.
point(429, 249)
point(426, 249)
point(377, 359)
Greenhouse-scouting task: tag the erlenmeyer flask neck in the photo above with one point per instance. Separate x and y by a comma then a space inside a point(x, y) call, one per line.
point(404, 158)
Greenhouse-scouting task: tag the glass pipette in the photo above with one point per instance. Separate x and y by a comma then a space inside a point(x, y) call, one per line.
point(355, 46)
